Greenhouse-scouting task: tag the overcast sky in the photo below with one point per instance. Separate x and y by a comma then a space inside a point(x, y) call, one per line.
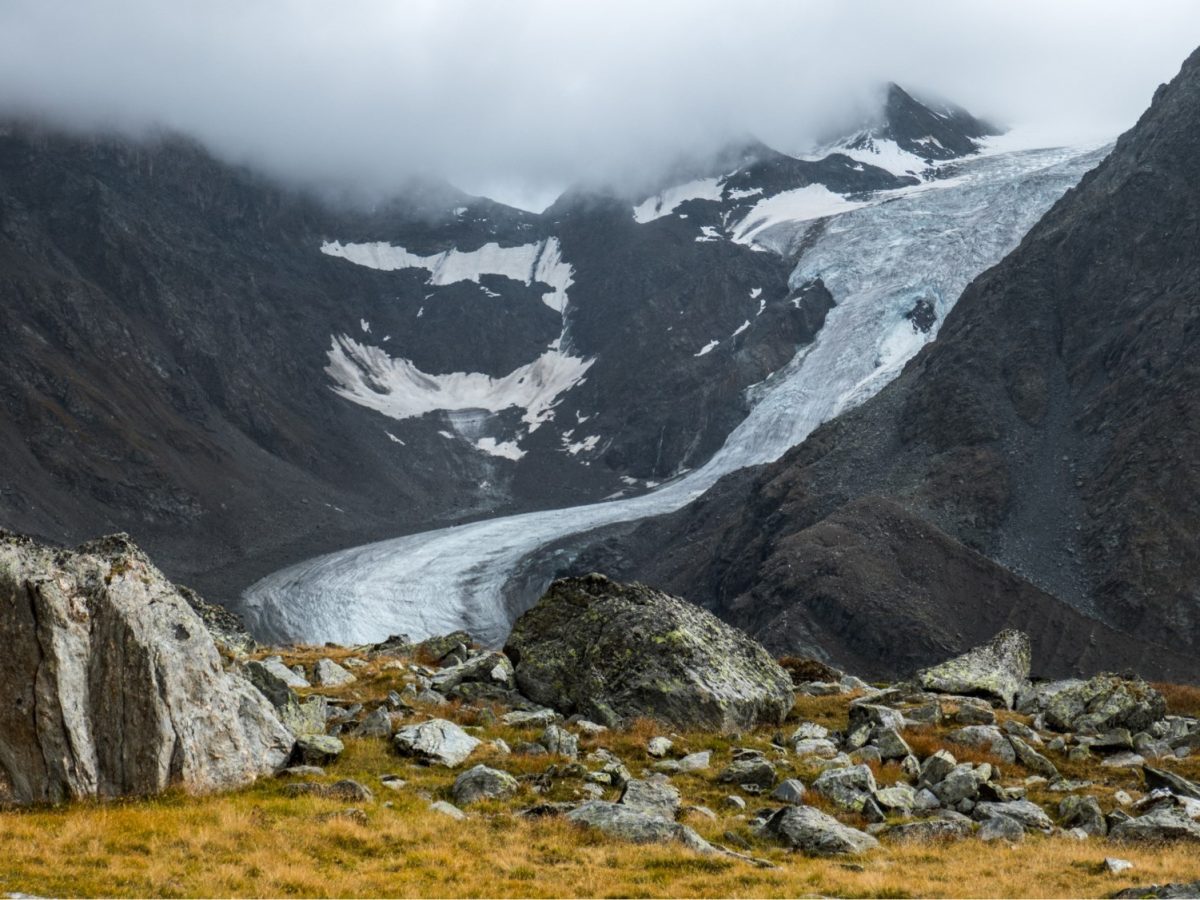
point(518, 98)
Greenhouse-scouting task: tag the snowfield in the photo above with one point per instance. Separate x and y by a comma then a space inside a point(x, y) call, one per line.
point(528, 263)
point(876, 260)
point(395, 387)
point(665, 203)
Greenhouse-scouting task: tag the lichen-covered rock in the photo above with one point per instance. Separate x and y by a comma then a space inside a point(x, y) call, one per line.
point(654, 799)
point(1029, 814)
point(630, 824)
point(111, 685)
point(813, 832)
point(316, 750)
point(486, 668)
point(849, 788)
point(1165, 823)
point(482, 783)
point(987, 738)
point(1103, 703)
point(436, 741)
point(997, 669)
point(327, 673)
point(611, 651)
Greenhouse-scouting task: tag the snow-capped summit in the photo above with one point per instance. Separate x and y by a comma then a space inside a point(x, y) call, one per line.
point(910, 138)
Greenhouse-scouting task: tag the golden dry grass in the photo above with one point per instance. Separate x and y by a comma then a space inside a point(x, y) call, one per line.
point(260, 842)
point(1182, 699)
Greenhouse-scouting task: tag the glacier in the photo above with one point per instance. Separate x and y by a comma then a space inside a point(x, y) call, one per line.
point(920, 244)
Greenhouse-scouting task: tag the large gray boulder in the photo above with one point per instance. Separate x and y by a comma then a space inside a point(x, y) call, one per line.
point(110, 684)
point(482, 783)
point(631, 824)
point(436, 742)
point(997, 669)
point(611, 651)
point(1165, 823)
point(813, 832)
point(1103, 703)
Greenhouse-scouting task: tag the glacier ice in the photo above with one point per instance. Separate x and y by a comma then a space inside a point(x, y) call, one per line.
point(877, 261)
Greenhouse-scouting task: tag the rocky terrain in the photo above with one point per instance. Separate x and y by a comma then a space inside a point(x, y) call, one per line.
point(697, 754)
point(1036, 463)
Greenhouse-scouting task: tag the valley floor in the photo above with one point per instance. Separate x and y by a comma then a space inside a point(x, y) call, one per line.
point(262, 842)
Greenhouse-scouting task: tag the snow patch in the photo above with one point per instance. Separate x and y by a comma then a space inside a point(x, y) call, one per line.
point(741, 194)
point(755, 293)
point(541, 262)
point(587, 445)
point(708, 348)
point(503, 449)
point(709, 233)
point(395, 439)
point(815, 201)
point(367, 376)
point(741, 328)
point(664, 204)
point(365, 326)
point(886, 154)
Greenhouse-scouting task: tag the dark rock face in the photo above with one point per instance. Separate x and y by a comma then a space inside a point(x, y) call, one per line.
point(1032, 468)
point(610, 651)
point(167, 322)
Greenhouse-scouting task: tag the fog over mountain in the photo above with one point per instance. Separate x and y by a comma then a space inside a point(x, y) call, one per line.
point(517, 100)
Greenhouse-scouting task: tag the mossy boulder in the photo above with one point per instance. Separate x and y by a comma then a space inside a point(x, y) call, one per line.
point(997, 669)
point(611, 651)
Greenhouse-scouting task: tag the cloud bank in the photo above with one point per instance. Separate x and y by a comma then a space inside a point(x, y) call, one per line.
point(518, 99)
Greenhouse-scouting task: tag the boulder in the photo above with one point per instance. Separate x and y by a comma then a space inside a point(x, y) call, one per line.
point(436, 741)
point(1082, 812)
point(659, 801)
point(438, 648)
point(329, 674)
point(1001, 828)
point(1031, 759)
point(611, 651)
point(482, 783)
point(557, 739)
point(849, 788)
point(752, 770)
point(110, 684)
point(629, 824)
point(1174, 890)
point(790, 790)
point(316, 750)
point(658, 747)
point(1029, 814)
point(987, 738)
point(693, 762)
point(486, 668)
point(377, 724)
point(449, 810)
point(818, 834)
point(997, 669)
point(1165, 823)
point(1101, 704)
point(1176, 784)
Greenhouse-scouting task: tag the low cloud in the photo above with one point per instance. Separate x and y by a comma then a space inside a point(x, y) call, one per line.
point(521, 98)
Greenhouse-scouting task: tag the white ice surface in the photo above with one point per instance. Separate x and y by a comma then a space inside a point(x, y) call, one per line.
point(876, 262)
point(541, 262)
point(664, 204)
point(395, 387)
point(814, 201)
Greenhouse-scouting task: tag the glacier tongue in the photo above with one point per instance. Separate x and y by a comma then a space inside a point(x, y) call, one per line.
point(878, 261)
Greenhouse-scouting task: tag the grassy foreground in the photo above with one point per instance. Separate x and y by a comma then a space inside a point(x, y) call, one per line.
point(260, 842)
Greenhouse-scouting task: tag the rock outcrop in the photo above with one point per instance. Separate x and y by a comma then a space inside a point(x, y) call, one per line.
point(611, 651)
point(110, 684)
point(997, 669)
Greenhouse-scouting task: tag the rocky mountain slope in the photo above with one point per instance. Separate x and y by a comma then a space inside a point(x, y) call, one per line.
point(1035, 465)
point(242, 375)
